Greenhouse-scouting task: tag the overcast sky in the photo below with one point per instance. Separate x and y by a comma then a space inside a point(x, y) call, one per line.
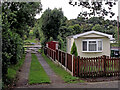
point(69, 11)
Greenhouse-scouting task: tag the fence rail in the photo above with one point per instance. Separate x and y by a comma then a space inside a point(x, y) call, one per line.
point(86, 67)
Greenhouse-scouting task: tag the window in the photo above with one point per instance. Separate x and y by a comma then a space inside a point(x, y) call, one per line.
point(92, 45)
point(85, 45)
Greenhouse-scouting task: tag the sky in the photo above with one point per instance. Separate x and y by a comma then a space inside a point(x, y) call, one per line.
point(71, 12)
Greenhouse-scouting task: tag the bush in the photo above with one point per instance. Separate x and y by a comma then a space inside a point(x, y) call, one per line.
point(12, 49)
point(74, 49)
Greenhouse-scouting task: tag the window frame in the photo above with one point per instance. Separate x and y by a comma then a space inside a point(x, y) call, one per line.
point(96, 45)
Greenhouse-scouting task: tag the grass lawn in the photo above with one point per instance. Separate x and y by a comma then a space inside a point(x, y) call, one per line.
point(31, 40)
point(37, 73)
point(61, 72)
point(12, 70)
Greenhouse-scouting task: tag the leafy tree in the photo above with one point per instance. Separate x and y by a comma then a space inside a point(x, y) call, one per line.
point(95, 7)
point(61, 43)
point(74, 49)
point(98, 27)
point(21, 15)
point(17, 18)
point(51, 22)
point(38, 33)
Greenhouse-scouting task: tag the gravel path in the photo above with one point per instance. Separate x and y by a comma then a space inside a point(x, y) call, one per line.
point(24, 72)
point(53, 77)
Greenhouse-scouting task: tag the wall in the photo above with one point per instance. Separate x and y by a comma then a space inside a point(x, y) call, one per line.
point(69, 44)
point(106, 47)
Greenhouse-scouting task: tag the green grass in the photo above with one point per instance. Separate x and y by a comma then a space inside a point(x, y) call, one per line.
point(37, 73)
point(40, 51)
point(28, 45)
point(61, 72)
point(114, 44)
point(12, 70)
point(29, 40)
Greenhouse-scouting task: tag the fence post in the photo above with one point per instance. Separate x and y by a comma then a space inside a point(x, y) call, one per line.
point(61, 58)
point(104, 59)
point(72, 65)
point(78, 65)
point(58, 55)
point(119, 65)
point(53, 55)
point(66, 60)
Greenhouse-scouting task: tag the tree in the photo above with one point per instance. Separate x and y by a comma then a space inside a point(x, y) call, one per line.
point(74, 49)
point(17, 18)
point(21, 15)
point(51, 22)
point(95, 7)
point(98, 27)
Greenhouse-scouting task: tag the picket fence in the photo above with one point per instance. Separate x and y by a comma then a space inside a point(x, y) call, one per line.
point(85, 67)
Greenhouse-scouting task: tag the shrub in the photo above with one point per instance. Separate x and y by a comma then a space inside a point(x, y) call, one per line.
point(74, 49)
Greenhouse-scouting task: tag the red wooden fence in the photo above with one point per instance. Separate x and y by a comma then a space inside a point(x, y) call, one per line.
point(86, 67)
point(99, 66)
point(69, 62)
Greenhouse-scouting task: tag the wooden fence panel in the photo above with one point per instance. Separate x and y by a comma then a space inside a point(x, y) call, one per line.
point(90, 67)
point(74, 71)
point(69, 62)
point(63, 58)
point(60, 56)
point(112, 67)
point(87, 67)
point(56, 54)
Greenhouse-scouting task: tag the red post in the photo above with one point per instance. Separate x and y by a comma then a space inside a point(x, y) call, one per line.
point(77, 65)
point(82, 65)
point(89, 65)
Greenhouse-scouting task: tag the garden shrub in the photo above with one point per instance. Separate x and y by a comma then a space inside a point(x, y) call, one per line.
point(74, 49)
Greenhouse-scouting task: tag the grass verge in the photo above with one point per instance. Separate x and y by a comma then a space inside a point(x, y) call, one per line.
point(12, 70)
point(61, 72)
point(37, 73)
point(31, 40)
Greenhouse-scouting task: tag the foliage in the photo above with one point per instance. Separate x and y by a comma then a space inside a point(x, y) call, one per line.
point(20, 15)
point(74, 50)
point(12, 70)
point(51, 22)
point(37, 73)
point(16, 23)
point(31, 40)
point(61, 72)
point(95, 8)
point(44, 27)
point(38, 33)
point(62, 45)
point(98, 27)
